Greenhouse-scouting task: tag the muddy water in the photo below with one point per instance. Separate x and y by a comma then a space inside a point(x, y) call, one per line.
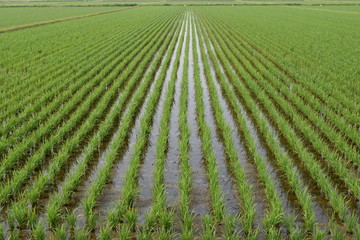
point(146, 170)
point(225, 179)
point(199, 193)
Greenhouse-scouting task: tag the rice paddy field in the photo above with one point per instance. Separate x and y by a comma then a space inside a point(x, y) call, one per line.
point(180, 122)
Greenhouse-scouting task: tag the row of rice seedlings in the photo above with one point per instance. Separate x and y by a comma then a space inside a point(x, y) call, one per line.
point(58, 47)
point(22, 174)
point(44, 80)
point(324, 98)
point(125, 208)
point(146, 179)
point(66, 69)
point(37, 121)
point(104, 173)
point(333, 160)
point(20, 149)
point(29, 144)
point(115, 60)
point(282, 158)
point(258, 40)
point(184, 139)
point(288, 222)
point(48, 175)
point(316, 120)
point(217, 199)
point(337, 201)
point(323, 149)
point(338, 124)
point(151, 71)
point(338, 138)
point(17, 113)
point(200, 199)
point(36, 191)
point(73, 179)
point(337, 99)
point(247, 217)
point(330, 157)
point(111, 64)
point(104, 33)
point(34, 122)
point(14, 91)
point(48, 53)
point(227, 182)
point(326, 153)
point(274, 215)
point(158, 217)
point(130, 84)
point(163, 72)
point(19, 176)
point(56, 96)
point(345, 95)
point(329, 116)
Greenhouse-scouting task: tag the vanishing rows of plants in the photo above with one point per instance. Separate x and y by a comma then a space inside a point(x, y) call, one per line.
point(258, 87)
point(87, 118)
point(85, 107)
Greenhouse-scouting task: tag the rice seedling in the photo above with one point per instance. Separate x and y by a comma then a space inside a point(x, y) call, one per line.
point(105, 233)
point(81, 233)
point(61, 232)
point(2, 232)
point(39, 232)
